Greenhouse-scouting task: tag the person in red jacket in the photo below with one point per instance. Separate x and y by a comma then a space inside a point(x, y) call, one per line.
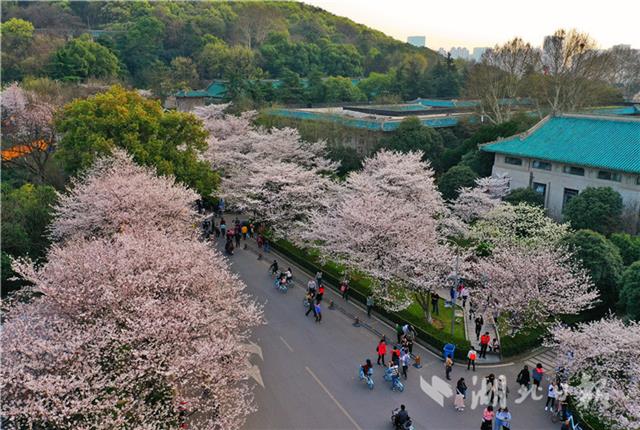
point(484, 344)
point(381, 350)
point(395, 355)
point(320, 293)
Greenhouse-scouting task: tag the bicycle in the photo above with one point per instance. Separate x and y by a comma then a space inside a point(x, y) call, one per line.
point(395, 380)
point(281, 286)
point(368, 377)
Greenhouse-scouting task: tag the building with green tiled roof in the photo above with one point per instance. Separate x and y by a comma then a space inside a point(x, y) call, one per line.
point(564, 154)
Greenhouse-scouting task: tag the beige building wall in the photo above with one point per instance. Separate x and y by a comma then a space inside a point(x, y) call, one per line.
point(556, 181)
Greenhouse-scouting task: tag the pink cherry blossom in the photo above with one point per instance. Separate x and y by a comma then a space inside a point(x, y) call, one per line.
point(530, 286)
point(603, 361)
point(117, 195)
point(126, 328)
point(382, 222)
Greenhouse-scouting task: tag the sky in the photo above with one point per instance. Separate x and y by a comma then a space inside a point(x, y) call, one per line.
point(473, 23)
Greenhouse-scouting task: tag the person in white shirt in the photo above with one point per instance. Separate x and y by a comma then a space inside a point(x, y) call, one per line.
point(551, 397)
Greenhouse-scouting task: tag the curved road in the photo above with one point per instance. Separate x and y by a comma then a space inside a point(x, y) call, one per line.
point(307, 371)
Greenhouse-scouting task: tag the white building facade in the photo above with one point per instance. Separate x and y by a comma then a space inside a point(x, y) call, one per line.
point(561, 156)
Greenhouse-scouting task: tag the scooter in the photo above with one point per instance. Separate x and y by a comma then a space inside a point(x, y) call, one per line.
point(408, 425)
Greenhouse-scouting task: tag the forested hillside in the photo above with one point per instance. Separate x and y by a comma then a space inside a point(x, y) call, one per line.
point(173, 45)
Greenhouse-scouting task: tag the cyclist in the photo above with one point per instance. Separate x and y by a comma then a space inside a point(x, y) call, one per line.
point(366, 367)
point(289, 275)
point(274, 267)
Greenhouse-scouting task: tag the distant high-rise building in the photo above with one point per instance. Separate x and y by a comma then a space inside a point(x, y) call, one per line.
point(477, 53)
point(420, 41)
point(459, 52)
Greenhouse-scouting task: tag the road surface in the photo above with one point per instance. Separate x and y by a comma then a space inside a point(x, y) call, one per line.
point(308, 370)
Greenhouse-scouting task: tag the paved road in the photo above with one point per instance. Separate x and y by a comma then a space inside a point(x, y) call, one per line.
point(309, 370)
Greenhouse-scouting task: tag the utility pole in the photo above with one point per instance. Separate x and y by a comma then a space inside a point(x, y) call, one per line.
point(456, 280)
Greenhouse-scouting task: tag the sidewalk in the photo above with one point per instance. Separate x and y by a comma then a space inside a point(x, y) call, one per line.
point(470, 329)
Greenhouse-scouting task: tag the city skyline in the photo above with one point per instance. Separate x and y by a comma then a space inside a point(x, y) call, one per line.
point(492, 22)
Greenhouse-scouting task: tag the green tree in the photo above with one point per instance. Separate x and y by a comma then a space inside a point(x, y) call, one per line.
point(630, 291)
point(597, 209)
point(525, 195)
point(170, 141)
point(602, 259)
point(214, 59)
point(411, 135)
point(412, 76)
point(339, 89)
point(315, 91)
point(377, 85)
point(291, 90)
point(17, 37)
point(348, 157)
point(82, 58)
point(341, 59)
point(183, 73)
point(629, 247)
point(140, 44)
point(454, 179)
point(16, 34)
point(26, 213)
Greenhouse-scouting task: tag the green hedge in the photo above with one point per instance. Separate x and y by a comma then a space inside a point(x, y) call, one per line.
point(520, 343)
point(359, 289)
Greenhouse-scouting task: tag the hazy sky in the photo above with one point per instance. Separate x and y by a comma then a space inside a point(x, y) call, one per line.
point(472, 23)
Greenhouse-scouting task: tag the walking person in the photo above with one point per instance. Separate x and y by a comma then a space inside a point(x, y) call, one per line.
point(404, 360)
point(502, 390)
point(399, 333)
point(536, 375)
point(524, 378)
point(448, 365)
point(471, 359)
point(369, 305)
point(487, 418)
point(395, 355)
point(318, 312)
point(311, 293)
point(490, 393)
point(552, 393)
point(320, 293)
point(503, 419)
point(479, 323)
point(381, 349)
point(461, 394)
point(410, 344)
point(344, 289)
point(484, 344)
point(464, 294)
point(318, 279)
point(435, 298)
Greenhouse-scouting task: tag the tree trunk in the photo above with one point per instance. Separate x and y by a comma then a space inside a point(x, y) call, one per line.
point(424, 300)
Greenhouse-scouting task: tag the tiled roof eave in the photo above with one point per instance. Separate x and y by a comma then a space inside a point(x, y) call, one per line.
point(560, 160)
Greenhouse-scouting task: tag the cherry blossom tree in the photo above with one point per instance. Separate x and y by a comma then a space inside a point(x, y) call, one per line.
point(474, 202)
point(518, 224)
point(117, 195)
point(27, 130)
point(128, 330)
point(603, 361)
point(272, 173)
point(382, 222)
point(529, 286)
